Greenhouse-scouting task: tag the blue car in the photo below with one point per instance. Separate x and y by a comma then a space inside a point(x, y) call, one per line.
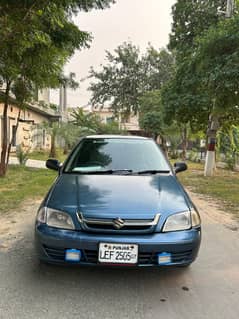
point(117, 201)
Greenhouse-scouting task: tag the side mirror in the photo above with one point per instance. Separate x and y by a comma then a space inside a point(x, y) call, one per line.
point(180, 167)
point(54, 164)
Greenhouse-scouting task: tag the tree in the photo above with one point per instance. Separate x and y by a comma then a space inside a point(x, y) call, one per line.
point(127, 76)
point(53, 129)
point(159, 67)
point(191, 18)
point(228, 144)
point(152, 120)
point(190, 96)
point(150, 114)
point(70, 134)
point(216, 63)
point(37, 38)
point(120, 82)
point(91, 123)
point(184, 98)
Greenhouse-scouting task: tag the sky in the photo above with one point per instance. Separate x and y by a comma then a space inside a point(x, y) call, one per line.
point(138, 21)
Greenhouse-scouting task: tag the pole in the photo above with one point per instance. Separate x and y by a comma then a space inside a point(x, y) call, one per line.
point(230, 8)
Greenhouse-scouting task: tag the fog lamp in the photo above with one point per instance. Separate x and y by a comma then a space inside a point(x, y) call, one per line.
point(73, 255)
point(164, 258)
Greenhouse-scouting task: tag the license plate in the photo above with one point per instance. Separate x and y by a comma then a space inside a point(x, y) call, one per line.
point(118, 253)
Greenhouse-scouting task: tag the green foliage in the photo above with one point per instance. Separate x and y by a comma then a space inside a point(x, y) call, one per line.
point(150, 114)
point(216, 64)
point(127, 76)
point(53, 129)
point(37, 39)
point(91, 123)
point(88, 122)
point(205, 81)
point(23, 91)
point(70, 134)
point(22, 155)
point(228, 145)
point(184, 99)
point(69, 81)
point(193, 155)
point(190, 19)
point(152, 121)
point(111, 128)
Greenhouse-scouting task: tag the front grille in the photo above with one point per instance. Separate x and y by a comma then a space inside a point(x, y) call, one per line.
point(145, 258)
point(91, 256)
point(151, 258)
point(110, 227)
point(117, 224)
point(55, 253)
point(58, 254)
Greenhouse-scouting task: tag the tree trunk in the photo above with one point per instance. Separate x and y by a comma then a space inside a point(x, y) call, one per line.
point(210, 163)
point(3, 164)
point(184, 142)
point(164, 145)
point(13, 137)
point(65, 149)
point(53, 146)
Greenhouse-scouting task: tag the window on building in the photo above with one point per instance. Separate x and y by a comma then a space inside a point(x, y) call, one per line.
point(14, 135)
point(109, 119)
point(43, 137)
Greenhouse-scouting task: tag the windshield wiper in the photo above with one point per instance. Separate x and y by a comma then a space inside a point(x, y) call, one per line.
point(109, 171)
point(152, 171)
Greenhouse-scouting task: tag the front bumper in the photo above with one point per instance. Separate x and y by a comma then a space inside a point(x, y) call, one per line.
point(51, 244)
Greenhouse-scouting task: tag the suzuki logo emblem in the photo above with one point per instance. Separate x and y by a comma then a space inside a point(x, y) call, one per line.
point(118, 223)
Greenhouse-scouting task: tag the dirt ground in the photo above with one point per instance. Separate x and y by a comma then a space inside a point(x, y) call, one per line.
point(14, 223)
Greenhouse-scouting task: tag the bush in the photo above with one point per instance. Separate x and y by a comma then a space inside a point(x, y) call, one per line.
point(193, 155)
point(22, 155)
point(230, 160)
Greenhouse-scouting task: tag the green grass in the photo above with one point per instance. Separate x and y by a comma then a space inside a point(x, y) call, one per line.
point(224, 186)
point(43, 155)
point(23, 183)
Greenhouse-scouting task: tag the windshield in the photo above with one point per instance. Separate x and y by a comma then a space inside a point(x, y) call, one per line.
point(116, 154)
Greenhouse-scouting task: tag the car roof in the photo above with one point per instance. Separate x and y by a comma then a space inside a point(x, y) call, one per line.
point(118, 136)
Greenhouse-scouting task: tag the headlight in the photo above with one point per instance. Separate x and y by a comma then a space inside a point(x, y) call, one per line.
point(41, 215)
point(180, 221)
point(196, 220)
point(55, 218)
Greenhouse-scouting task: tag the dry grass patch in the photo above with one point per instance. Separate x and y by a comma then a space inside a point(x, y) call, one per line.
point(224, 186)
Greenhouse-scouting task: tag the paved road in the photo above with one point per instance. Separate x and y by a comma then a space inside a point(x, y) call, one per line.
point(29, 163)
point(209, 289)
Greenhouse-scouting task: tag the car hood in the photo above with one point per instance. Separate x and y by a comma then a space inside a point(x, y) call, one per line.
point(125, 196)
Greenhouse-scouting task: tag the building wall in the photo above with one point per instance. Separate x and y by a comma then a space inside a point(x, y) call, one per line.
point(105, 114)
point(130, 124)
point(28, 133)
